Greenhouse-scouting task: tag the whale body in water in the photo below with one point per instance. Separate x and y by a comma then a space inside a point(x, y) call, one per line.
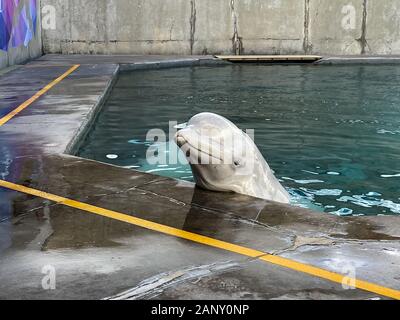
point(224, 158)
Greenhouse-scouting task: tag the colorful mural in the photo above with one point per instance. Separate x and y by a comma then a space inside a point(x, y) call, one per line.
point(18, 20)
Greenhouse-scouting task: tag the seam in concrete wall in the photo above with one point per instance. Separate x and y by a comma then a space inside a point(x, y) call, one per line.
point(192, 24)
point(237, 44)
point(363, 39)
point(306, 42)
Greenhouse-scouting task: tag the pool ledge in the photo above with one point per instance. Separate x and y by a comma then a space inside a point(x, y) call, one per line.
point(98, 257)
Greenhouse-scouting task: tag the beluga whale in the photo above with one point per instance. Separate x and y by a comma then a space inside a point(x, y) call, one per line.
point(224, 158)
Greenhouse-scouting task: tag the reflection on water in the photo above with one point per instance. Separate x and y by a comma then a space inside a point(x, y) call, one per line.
point(330, 133)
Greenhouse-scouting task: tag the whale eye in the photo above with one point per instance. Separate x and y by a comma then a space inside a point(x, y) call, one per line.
point(236, 163)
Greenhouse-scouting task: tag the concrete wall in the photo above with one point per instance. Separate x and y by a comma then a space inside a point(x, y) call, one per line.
point(19, 47)
point(224, 26)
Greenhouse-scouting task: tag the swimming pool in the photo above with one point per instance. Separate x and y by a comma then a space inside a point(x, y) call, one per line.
point(330, 133)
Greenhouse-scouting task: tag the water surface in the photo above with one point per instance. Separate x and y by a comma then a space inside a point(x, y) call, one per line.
point(330, 133)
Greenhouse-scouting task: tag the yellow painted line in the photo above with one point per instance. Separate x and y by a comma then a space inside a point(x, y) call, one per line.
point(37, 95)
point(276, 260)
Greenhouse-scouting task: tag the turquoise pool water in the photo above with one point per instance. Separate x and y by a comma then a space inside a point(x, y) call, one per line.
point(330, 133)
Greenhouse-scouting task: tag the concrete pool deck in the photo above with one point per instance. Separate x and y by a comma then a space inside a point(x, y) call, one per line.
point(99, 252)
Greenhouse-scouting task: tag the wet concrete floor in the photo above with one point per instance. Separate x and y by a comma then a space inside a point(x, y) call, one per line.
point(96, 257)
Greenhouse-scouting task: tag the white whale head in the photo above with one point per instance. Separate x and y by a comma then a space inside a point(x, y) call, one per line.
point(224, 158)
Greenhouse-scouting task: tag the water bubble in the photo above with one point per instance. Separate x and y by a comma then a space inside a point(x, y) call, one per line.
point(303, 181)
point(131, 167)
point(390, 175)
point(135, 141)
point(343, 212)
point(327, 192)
point(333, 173)
point(373, 194)
point(383, 131)
point(112, 156)
point(311, 172)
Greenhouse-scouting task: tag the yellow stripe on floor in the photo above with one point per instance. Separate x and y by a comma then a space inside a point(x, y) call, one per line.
point(263, 256)
point(37, 95)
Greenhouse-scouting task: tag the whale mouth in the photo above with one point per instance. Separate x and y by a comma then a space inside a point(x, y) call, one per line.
point(182, 141)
